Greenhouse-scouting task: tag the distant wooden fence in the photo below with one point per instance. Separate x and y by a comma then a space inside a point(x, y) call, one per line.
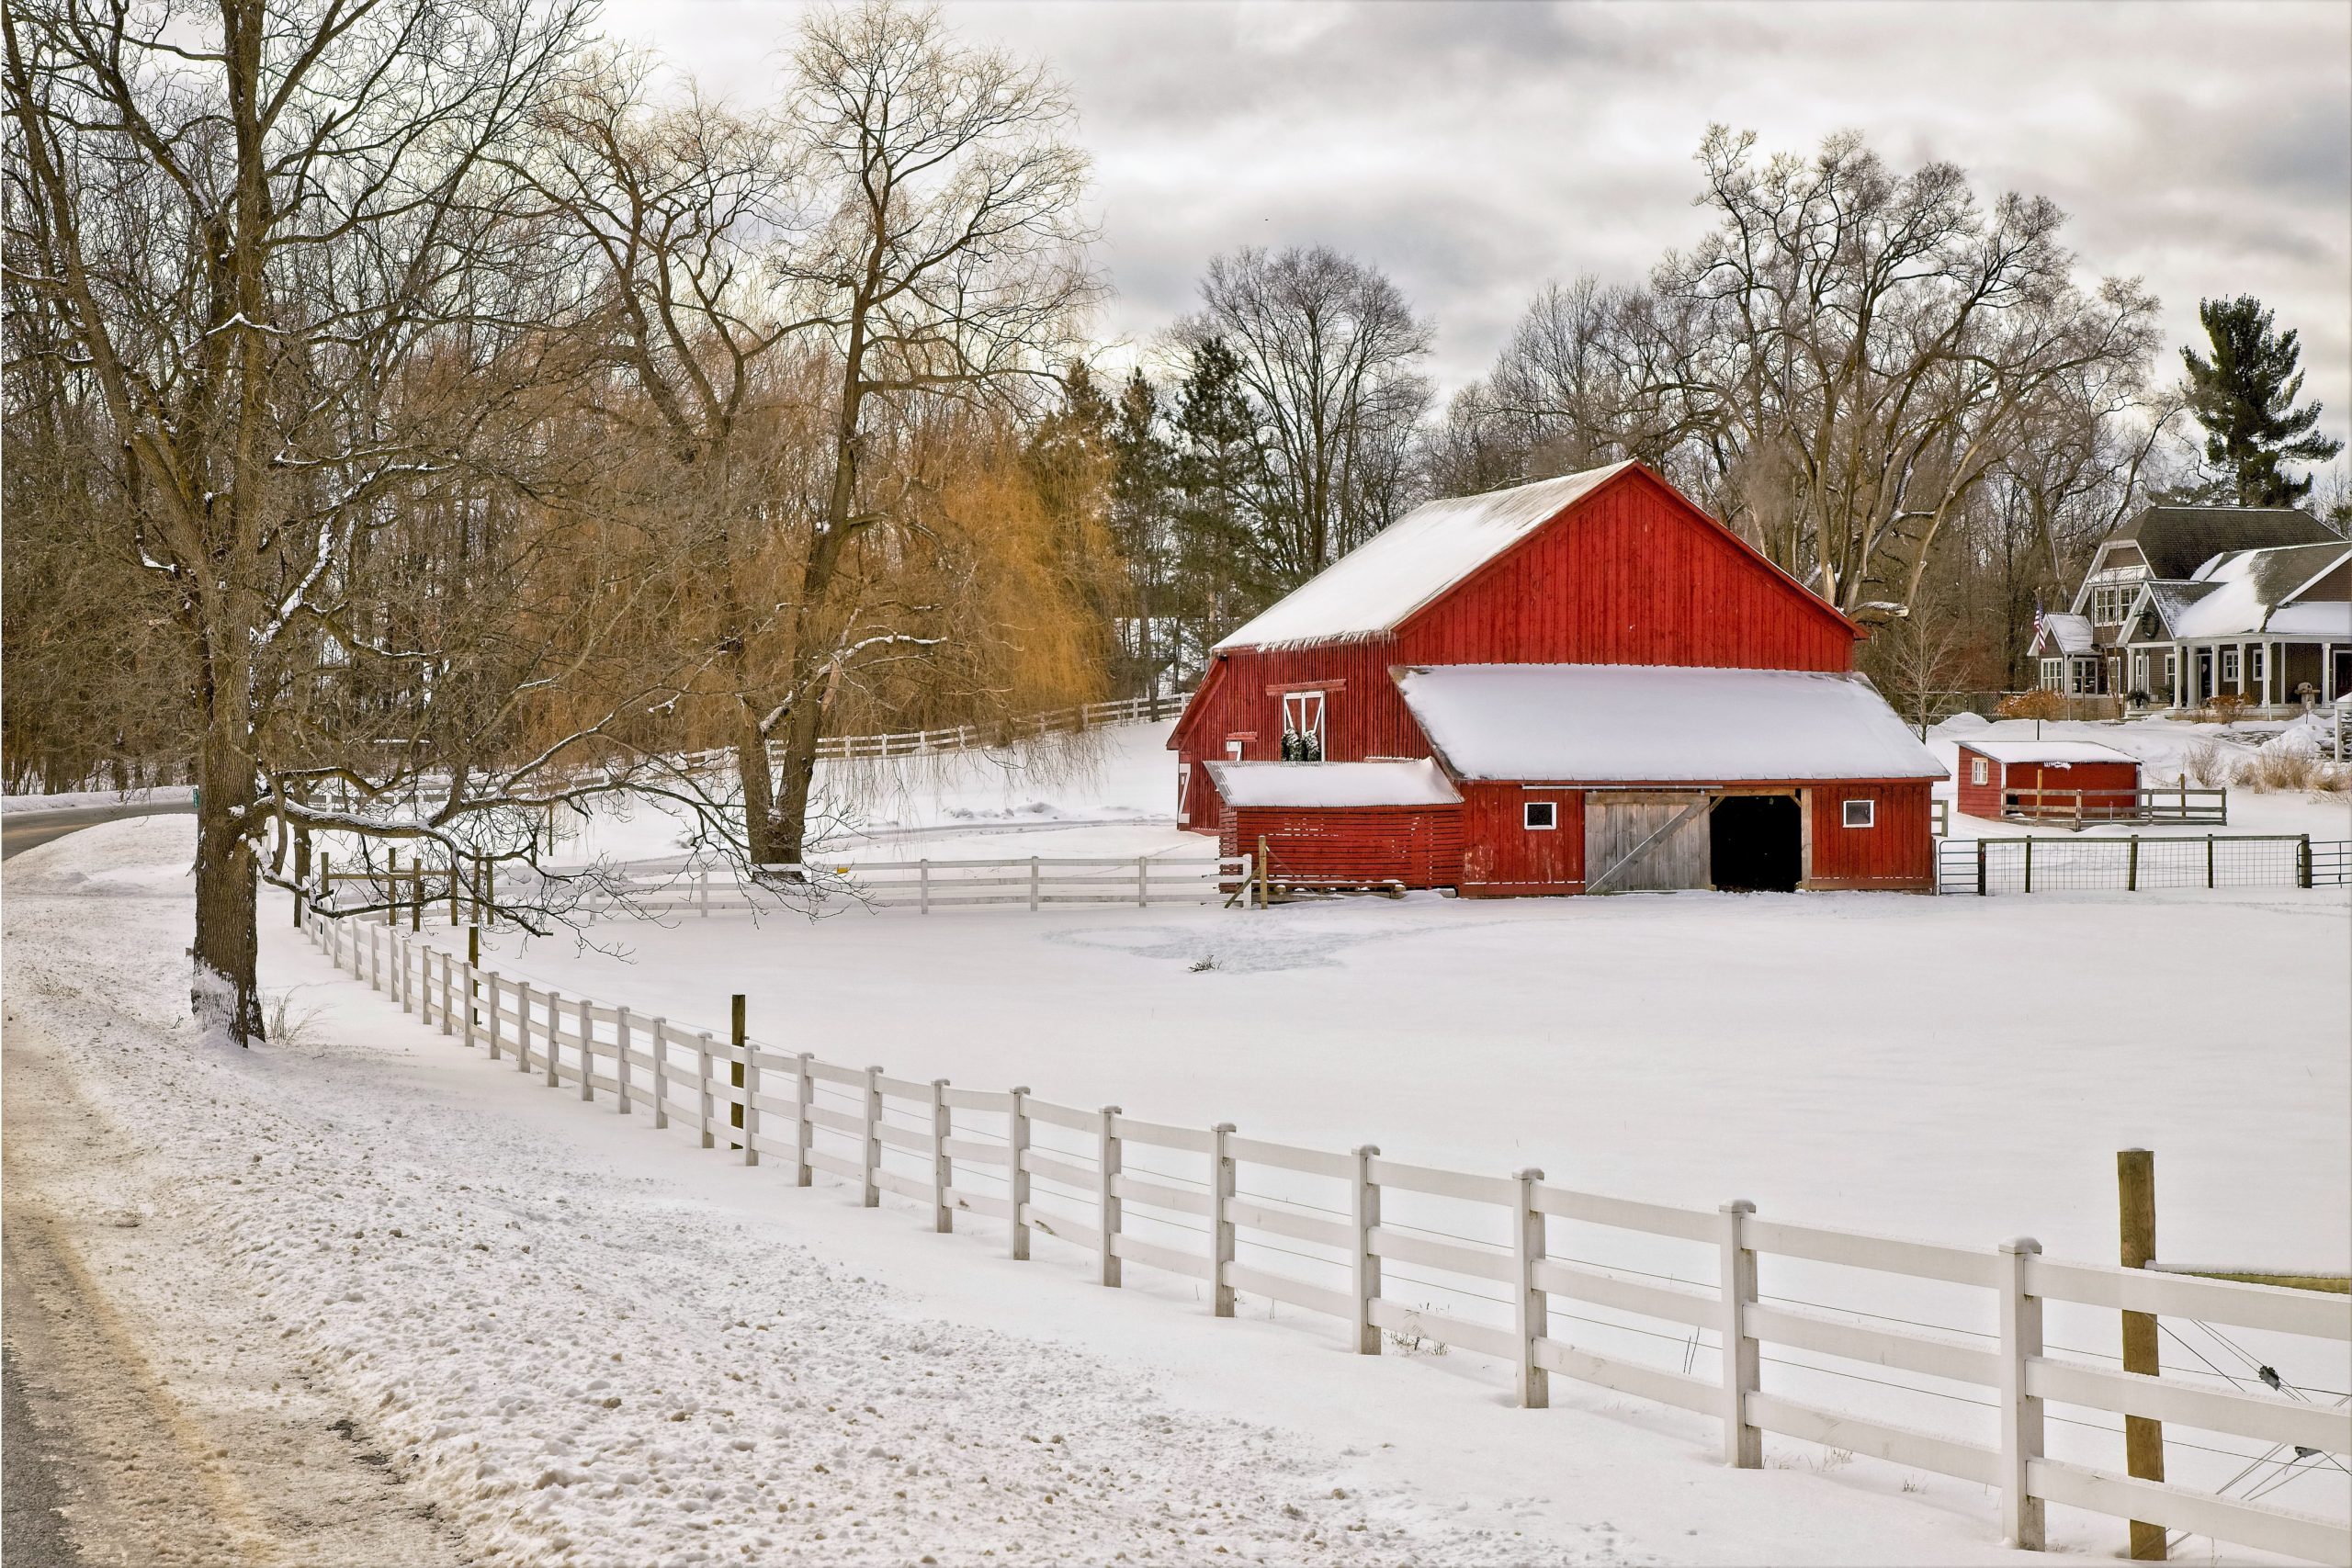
point(2140, 863)
point(2083, 807)
point(1035, 882)
point(1004, 732)
point(1355, 1237)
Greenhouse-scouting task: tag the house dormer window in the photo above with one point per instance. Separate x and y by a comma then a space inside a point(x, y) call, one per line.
point(1302, 727)
point(2110, 601)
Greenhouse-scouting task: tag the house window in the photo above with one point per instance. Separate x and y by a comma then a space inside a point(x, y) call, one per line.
point(1977, 773)
point(2254, 667)
point(2086, 677)
point(2172, 669)
point(2109, 603)
point(2054, 674)
point(1540, 816)
point(1861, 813)
point(2229, 664)
point(1302, 727)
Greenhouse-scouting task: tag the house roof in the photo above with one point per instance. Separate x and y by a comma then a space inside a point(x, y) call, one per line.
point(1417, 782)
point(2067, 633)
point(2047, 751)
point(1375, 586)
point(1644, 724)
point(2244, 588)
point(2177, 540)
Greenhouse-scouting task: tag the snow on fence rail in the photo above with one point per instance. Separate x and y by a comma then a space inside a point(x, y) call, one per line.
point(1035, 881)
point(1357, 1237)
point(2140, 863)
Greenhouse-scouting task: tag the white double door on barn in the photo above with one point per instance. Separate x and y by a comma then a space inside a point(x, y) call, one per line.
point(1642, 842)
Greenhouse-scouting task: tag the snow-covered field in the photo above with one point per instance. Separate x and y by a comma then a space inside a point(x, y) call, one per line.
point(589, 1343)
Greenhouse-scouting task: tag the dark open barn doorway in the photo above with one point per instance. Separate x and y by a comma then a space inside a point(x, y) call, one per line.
point(1758, 843)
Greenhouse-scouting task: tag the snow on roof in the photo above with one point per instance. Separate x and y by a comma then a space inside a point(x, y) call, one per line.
point(1622, 723)
point(1375, 586)
point(2247, 585)
point(2069, 634)
point(2049, 751)
point(1416, 783)
point(2330, 620)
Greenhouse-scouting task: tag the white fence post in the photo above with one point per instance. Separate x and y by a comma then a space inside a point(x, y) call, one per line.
point(1531, 1307)
point(706, 1102)
point(752, 1111)
point(1365, 1200)
point(587, 1051)
point(620, 1058)
point(555, 1033)
point(803, 1130)
point(942, 1170)
point(1743, 1443)
point(1020, 1167)
point(661, 1032)
point(922, 876)
point(1106, 1199)
point(448, 961)
point(1221, 1217)
point(2021, 1420)
point(1033, 888)
point(704, 896)
point(473, 984)
point(1143, 882)
point(870, 1145)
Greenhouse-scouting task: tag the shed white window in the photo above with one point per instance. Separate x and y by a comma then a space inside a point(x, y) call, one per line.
point(1978, 773)
point(1540, 816)
point(1302, 727)
point(1861, 813)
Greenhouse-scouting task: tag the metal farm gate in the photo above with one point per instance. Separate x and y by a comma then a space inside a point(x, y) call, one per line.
point(2138, 864)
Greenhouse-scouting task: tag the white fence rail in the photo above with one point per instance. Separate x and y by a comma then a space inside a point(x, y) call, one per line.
point(1035, 882)
point(1366, 1240)
point(966, 737)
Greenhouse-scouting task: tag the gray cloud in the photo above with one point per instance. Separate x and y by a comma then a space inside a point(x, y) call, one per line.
point(1476, 150)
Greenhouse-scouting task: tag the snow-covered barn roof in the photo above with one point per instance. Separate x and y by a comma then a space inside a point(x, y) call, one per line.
point(2049, 751)
point(1415, 783)
point(1375, 587)
point(1618, 723)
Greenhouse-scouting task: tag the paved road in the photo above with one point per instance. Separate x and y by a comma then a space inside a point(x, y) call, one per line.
point(23, 830)
point(32, 1489)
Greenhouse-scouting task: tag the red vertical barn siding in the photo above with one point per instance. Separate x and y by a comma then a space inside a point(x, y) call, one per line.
point(1419, 846)
point(1978, 799)
point(1501, 857)
point(1897, 852)
point(1632, 574)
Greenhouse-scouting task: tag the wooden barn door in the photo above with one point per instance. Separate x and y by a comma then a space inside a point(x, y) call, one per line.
point(1634, 843)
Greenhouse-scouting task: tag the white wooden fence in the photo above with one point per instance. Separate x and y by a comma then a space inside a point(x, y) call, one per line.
point(1037, 882)
point(1355, 1237)
point(966, 737)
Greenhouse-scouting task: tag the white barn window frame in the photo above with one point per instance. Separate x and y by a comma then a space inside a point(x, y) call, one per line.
point(1540, 816)
point(1859, 813)
point(1979, 771)
point(1303, 726)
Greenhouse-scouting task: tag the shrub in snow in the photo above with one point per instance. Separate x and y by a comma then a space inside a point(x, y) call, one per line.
point(2040, 702)
point(2204, 763)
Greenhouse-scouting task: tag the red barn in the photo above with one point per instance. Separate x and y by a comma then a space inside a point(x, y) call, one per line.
point(2076, 780)
point(1622, 691)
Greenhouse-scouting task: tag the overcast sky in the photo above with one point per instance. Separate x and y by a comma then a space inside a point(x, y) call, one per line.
point(1475, 150)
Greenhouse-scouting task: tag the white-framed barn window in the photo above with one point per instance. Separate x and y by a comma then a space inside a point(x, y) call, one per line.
point(1861, 813)
point(1185, 792)
point(1303, 726)
point(1233, 750)
point(1978, 773)
point(1540, 816)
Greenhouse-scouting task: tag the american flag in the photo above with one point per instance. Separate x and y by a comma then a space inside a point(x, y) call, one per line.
point(2036, 614)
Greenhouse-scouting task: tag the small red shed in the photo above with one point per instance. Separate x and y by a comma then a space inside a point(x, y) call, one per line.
point(2047, 781)
point(1354, 823)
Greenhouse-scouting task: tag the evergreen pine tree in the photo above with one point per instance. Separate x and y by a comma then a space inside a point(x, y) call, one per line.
point(1143, 519)
point(2244, 397)
point(1217, 565)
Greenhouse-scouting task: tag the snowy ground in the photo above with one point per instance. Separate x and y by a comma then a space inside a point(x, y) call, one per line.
point(585, 1342)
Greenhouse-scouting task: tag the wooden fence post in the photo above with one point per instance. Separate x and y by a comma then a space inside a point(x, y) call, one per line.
point(735, 1069)
point(870, 1145)
point(1033, 888)
point(555, 1031)
point(391, 887)
point(1365, 1200)
point(1743, 1443)
point(922, 884)
point(2209, 860)
point(706, 1102)
point(1017, 1131)
point(473, 969)
point(1530, 1305)
point(2131, 866)
point(2304, 861)
point(620, 1058)
point(1143, 883)
point(1265, 862)
point(2144, 1438)
point(804, 1131)
point(1980, 888)
point(587, 1051)
point(660, 1031)
point(2021, 1420)
point(1106, 1198)
point(942, 1169)
point(2029, 862)
point(750, 1111)
point(1221, 1216)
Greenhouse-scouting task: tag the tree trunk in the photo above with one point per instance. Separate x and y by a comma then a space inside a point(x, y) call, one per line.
point(224, 991)
point(768, 848)
point(802, 727)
